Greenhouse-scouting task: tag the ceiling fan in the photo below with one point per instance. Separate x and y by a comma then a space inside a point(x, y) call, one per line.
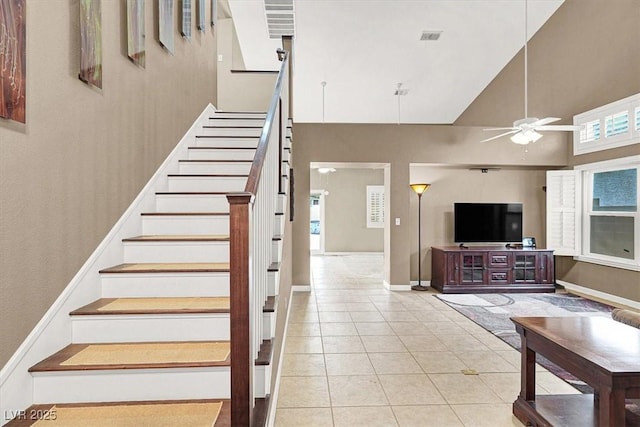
point(525, 131)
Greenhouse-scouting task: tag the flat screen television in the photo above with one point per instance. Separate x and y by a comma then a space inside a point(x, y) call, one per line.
point(487, 222)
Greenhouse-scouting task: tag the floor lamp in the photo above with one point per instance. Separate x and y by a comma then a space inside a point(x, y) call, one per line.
point(419, 190)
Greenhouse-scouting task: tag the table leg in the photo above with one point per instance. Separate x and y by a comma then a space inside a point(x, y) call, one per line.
point(527, 371)
point(611, 408)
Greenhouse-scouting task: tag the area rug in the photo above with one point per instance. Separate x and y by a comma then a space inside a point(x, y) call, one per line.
point(493, 313)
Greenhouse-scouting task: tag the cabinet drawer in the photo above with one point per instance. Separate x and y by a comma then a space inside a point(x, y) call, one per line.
point(499, 259)
point(499, 276)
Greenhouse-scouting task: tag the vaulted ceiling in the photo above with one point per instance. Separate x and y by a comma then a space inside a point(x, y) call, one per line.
point(364, 51)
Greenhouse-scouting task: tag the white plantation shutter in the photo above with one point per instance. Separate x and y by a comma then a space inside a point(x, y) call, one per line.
point(375, 206)
point(562, 212)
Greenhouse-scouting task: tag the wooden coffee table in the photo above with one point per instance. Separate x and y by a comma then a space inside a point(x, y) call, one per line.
point(600, 351)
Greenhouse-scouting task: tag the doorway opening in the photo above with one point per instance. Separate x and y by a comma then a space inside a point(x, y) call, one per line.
point(316, 222)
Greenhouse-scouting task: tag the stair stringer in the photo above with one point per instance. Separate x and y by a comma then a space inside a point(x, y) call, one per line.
point(54, 330)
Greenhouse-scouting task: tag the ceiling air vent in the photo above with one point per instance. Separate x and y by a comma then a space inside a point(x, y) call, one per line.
point(280, 18)
point(430, 35)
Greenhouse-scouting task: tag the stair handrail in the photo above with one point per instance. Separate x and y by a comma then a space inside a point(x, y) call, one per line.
point(251, 223)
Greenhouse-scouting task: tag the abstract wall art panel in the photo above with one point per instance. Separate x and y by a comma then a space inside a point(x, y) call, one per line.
point(91, 42)
point(186, 19)
point(13, 69)
point(202, 19)
point(136, 32)
point(165, 8)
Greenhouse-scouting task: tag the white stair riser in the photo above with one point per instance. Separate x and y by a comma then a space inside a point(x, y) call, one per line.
point(286, 156)
point(197, 225)
point(150, 328)
point(282, 204)
point(268, 326)
point(280, 223)
point(225, 154)
point(131, 384)
point(124, 285)
point(219, 121)
point(250, 142)
point(289, 132)
point(234, 168)
point(176, 252)
point(276, 250)
point(191, 203)
point(273, 283)
point(262, 381)
point(223, 131)
point(238, 115)
point(213, 184)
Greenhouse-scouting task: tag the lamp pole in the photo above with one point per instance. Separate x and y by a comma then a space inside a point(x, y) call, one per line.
point(419, 189)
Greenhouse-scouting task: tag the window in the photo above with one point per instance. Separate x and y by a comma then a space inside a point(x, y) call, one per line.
point(375, 206)
point(610, 126)
point(616, 124)
point(590, 132)
point(592, 212)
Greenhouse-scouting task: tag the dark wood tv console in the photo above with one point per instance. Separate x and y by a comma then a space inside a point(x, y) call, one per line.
point(484, 269)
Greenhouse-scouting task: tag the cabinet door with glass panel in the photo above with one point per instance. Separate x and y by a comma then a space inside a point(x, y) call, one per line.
point(473, 268)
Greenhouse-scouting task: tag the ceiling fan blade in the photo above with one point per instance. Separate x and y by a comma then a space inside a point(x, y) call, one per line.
point(509, 128)
point(545, 121)
point(569, 128)
point(501, 135)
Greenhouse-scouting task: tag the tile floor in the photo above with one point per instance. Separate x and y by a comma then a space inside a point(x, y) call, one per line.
point(359, 355)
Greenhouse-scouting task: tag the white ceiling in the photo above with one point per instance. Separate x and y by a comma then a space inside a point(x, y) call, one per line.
point(363, 49)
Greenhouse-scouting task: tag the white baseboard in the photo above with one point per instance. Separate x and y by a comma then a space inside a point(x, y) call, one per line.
point(401, 288)
point(599, 295)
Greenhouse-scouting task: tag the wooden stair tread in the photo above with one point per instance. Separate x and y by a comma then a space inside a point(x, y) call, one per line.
point(185, 213)
point(213, 161)
point(179, 267)
point(147, 355)
point(179, 238)
point(207, 175)
point(159, 413)
point(189, 193)
point(221, 148)
point(164, 305)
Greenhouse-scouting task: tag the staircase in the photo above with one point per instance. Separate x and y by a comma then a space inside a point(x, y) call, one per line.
point(155, 348)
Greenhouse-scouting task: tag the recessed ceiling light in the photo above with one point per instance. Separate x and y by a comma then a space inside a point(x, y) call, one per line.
point(430, 35)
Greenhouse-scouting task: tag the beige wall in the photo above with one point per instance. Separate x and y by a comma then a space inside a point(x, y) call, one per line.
point(239, 91)
point(345, 209)
point(84, 154)
point(451, 184)
point(562, 84)
point(399, 146)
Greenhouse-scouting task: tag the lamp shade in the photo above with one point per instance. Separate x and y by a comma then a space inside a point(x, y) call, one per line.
point(420, 188)
point(525, 137)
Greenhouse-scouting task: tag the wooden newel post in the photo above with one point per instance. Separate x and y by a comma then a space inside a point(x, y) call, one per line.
point(242, 401)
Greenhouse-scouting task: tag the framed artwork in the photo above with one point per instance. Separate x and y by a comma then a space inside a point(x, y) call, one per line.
point(13, 55)
point(214, 12)
point(91, 42)
point(186, 19)
point(165, 9)
point(201, 16)
point(136, 32)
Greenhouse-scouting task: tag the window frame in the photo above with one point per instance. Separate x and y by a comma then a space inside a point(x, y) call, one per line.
point(566, 213)
point(587, 172)
point(374, 191)
point(629, 105)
